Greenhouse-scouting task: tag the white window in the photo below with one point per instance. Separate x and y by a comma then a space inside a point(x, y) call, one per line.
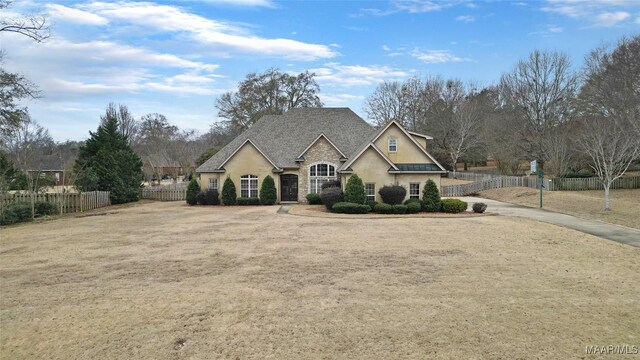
point(393, 145)
point(213, 183)
point(248, 186)
point(320, 174)
point(370, 190)
point(414, 191)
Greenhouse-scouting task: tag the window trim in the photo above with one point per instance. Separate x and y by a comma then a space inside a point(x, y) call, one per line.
point(366, 193)
point(249, 180)
point(211, 180)
point(395, 145)
point(417, 195)
point(313, 179)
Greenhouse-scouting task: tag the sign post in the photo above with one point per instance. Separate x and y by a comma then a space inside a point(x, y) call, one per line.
point(540, 172)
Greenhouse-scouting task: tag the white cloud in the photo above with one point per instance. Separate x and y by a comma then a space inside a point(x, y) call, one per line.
point(436, 56)
point(601, 13)
point(466, 18)
point(608, 19)
point(338, 99)
point(338, 75)
point(412, 6)
point(385, 48)
point(220, 36)
point(555, 29)
point(638, 20)
point(60, 12)
point(247, 3)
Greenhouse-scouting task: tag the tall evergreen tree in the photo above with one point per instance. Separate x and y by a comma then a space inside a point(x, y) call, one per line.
point(431, 197)
point(354, 191)
point(107, 163)
point(268, 193)
point(229, 192)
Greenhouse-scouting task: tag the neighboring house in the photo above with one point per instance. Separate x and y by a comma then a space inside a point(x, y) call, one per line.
point(57, 175)
point(306, 147)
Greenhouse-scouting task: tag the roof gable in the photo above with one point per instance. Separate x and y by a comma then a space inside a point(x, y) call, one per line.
point(248, 141)
point(315, 141)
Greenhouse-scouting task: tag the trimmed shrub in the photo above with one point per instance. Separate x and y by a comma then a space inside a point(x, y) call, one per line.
point(354, 191)
point(417, 201)
point(453, 206)
point(212, 197)
point(314, 199)
point(393, 194)
point(201, 198)
point(248, 201)
point(45, 208)
point(350, 208)
point(330, 196)
point(431, 197)
point(413, 207)
point(192, 191)
point(331, 183)
point(229, 192)
point(399, 209)
point(372, 204)
point(384, 209)
point(479, 207)
point(15, 213)
point(268, 194)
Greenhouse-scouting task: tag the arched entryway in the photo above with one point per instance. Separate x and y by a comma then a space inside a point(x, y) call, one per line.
point(289, 187)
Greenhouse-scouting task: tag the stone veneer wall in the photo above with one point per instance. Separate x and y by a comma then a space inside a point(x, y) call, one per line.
point(321, 151)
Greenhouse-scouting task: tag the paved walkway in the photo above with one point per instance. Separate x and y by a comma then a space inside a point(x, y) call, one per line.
point(621, 234)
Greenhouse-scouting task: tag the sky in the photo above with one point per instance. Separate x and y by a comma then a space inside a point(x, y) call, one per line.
point(177, 57)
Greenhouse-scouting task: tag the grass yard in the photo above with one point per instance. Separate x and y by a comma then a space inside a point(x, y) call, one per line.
point(625, 203)
point(167, 281)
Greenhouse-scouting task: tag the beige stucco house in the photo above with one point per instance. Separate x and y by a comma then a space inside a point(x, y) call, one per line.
point(306, 147)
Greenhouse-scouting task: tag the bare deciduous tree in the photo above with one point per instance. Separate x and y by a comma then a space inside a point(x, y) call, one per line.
point(464, 130)
point(14, 87)
point(541, 90)
point(610, 104)
point(127, 125)
point(269, 93)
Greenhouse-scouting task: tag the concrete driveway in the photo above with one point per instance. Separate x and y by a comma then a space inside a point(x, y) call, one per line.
point(621, 234)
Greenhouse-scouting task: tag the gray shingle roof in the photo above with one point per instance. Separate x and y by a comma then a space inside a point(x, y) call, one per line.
point(284, 137)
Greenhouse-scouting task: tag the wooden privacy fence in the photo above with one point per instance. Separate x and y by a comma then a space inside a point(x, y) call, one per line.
point(162, 193)
point(486, 182)
point(64, 202)
point(491, 183)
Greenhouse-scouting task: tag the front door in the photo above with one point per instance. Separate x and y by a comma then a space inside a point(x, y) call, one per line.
point(289, 187)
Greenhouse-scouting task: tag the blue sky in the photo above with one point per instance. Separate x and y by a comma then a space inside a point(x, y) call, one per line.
point(176, 57)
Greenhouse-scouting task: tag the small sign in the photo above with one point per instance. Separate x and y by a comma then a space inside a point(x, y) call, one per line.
point(534, 166)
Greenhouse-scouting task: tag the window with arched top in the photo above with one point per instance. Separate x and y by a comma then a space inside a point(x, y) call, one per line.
point(319, 174)
point(249, 186)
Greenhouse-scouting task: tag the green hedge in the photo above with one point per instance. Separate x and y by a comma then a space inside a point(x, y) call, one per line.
point(413, 207)
point(45, 208)
point(350, 208)
point(15, 213)
point(399, 209)
point(248, 201)
point(479, 207)
point(314, 199)
point(372, 204)
point(453, 206)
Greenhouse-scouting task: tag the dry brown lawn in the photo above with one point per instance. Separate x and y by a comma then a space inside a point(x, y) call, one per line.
point(451, 181)
point(625, 203)
point(167, 281)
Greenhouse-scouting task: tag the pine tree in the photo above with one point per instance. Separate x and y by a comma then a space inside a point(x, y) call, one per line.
point(192, 191)
point(229, 192)
point(268, 194)
point(354, 191)
point(431, 197)
point(107, 163)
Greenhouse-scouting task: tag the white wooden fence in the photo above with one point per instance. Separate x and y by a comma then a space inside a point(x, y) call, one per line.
point(488, 181)
point(164, 193)
point(64, 202)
